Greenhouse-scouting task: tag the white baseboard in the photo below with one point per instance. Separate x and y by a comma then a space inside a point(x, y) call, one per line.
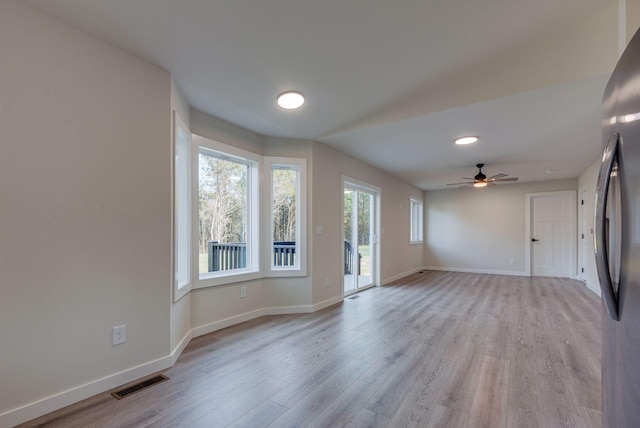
point(276, 310)
point(327, 303)
point(284, 310)
point(175, 354)
point(484, 271)
point(227, 322)
point(65, 398)
point(305, 309)
point(402, 275)
point(594, 287)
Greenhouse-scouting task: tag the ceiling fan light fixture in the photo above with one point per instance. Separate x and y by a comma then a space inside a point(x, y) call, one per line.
point(462, 141)
point(290, 100)
point(481, 180)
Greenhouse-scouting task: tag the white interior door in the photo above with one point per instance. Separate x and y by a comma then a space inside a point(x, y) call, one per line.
point(360, 240)
point(583, 236)
point(551, 246)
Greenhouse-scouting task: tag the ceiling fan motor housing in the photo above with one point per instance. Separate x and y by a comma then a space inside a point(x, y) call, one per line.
point(480, 176)
point(481, 180)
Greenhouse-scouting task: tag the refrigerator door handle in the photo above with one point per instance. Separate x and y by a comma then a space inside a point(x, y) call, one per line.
point(600, 236)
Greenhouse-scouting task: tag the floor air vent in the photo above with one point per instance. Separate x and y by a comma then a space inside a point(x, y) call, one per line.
point(138, 387)
point(354, 297)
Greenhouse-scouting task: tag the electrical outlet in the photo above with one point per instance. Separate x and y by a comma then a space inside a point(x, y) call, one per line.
point(512, 261)
point(119, 334)
point(243, 292)
point(327, 282)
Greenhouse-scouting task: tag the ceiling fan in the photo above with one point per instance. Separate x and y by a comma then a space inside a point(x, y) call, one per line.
point(481, 180)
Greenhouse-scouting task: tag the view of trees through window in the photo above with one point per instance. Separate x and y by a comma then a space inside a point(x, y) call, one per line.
point(222, 209)
point(363, 211)
point(358, 207)
point(284, 180)
point(284, 204)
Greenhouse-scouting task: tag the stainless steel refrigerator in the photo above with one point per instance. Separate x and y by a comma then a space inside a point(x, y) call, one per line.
point(617, 242)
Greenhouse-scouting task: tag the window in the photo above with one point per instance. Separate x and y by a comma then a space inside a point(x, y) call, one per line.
point(182, 142)
point(416, 221)
point(287, 213)
point(227, 211)
point(231, 240)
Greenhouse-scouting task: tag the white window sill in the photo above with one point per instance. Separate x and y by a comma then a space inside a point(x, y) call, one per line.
point(286, 273)
point(229, 278)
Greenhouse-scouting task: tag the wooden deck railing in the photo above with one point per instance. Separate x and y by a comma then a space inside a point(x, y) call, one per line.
point(348, 259)
point(227, 256)
point(233, 255)
point(284, 253)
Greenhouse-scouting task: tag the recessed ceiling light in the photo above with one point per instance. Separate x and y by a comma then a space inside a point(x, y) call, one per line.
point(290, 100)
point(465, 140)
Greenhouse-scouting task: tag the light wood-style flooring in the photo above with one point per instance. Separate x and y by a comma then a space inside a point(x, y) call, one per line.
point(436, 349)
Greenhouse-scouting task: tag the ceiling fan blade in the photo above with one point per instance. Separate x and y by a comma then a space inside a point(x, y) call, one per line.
point(457, 184)
point(468, 178)
point(496, 176)
point(505, 179)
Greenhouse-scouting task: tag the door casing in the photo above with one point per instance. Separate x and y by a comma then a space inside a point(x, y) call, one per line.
point(375, 257)
point(572, 196)
point(583, 234)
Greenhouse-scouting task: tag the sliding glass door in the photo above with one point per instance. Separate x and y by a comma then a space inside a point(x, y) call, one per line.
point(359, 237)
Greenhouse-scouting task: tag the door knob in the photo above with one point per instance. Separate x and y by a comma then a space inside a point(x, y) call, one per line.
point(534, 240)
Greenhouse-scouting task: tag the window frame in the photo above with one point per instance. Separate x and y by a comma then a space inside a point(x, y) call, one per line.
point(300, 267)
point(254, 163)
point(181, 224)
point(416, 237)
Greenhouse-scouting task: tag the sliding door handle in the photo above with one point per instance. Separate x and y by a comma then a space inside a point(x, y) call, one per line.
point(600, 236)
point(534, 240)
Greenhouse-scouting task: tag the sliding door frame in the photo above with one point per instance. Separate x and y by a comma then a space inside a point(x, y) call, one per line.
point(375, 256)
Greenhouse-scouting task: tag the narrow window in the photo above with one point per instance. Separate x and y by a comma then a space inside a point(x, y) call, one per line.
point(182, 205)
point(284, 191)
point(287, 213)
point(416, 221)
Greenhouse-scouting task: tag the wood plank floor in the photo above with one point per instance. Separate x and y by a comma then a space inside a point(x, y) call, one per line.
point(436, 349)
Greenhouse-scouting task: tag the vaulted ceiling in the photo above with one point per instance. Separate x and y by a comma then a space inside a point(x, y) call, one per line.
point(388, 82)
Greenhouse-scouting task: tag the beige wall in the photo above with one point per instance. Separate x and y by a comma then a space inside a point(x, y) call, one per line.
point(397, 256)
point(85, 219)
point(481, 229)
point(85, 211)
point(284, 294)
point(218, 306)
point(224, 132)
point(628, 22)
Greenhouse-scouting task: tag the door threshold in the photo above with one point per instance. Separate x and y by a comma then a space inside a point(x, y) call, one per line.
point(351, 293)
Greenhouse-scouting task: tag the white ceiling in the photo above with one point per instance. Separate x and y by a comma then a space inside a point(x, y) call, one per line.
point(356, 61)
